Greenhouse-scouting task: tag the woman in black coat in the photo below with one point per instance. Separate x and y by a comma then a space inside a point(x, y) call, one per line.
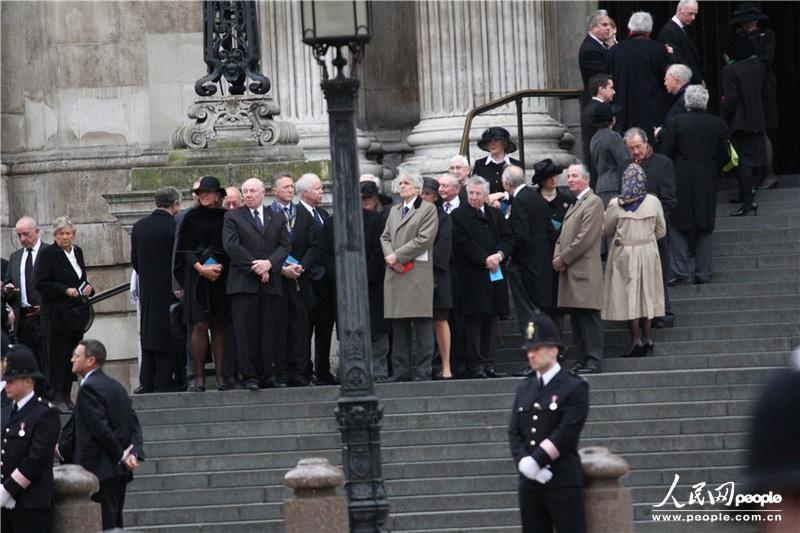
point(60, 276)
point(442, 284)
point(201, 267)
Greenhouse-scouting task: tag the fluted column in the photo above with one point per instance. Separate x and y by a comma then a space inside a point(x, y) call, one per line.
point(295, 80)
point(470, 53)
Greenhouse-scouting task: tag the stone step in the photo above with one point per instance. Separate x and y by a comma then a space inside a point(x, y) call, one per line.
point(767, 208)
point(764, 220)
point(204, 514)
point(779, 194)
point(253, 526)
point(734, 303)
point(746, 288)
point(767, 247)
point(649, 526)
point(774, 260)
point(476, 519)
point(748, 235)
point(753, 274)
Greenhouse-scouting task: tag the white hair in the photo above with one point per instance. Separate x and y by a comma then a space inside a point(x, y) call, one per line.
point(410, 173)
point(478, 180)
point(514, 175)
point(62, 223)
point(685, 3)
point(370, 177)
point(305, 182)
point(584, 171)
point(595, 18)
point(680, 72)
point(696, 97)
point(641, 21)
point(459, 159)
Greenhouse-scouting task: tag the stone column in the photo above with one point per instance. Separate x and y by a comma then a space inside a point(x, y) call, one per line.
point(295, 77)
point(470, 53)
point(608, 505)
point(74, 511)
point(315, 506)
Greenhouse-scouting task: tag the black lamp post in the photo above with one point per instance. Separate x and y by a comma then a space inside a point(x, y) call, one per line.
point(345, 24)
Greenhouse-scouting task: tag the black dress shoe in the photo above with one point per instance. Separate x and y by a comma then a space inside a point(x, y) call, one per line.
point(576, 367)
point(592, 367)
point(742, 211)
point(637, 350)
point(493, 373)
point(663, 322)
point(299, 381)
point(329, 379)
point(524, 373)
point(139, 390)
point(251, 385)
point(477, 374)
point(397, 379)
point(678, 280)
point(649, 346)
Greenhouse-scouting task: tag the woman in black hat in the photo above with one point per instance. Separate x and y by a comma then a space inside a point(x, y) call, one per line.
point(201, 267)
point(546, 175)
point(497, 141)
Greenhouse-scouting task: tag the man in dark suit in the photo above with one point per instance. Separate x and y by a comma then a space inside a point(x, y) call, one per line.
point(550, 409)
point(601, 87)
point(21, 292)
point(593, 50)
point(257, 241)
point(322, 315)
point(30, 428)
point(676, 80)
point(482, 241)
point(152, 241)
point(680, 46)
point(298, 294)
point(105, 438)
point(660, 182)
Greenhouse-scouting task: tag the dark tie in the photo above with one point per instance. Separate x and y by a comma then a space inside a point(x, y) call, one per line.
point(29, 277)
point(317, 218)
point(259, 224)
point(541, 382)
point(15, 408)
point(447, 207)
point(405, 211)
point(288, 211)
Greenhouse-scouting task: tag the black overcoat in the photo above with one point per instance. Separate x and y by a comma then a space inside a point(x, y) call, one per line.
point(491, 172)
point(744, 91)
point(475, 237)
point(638, 66)
point(697, 144)
point(532, 256)
point(684, 50)
point(659, 174)
point(442, 254)
point(152, 241)
point(591, 60)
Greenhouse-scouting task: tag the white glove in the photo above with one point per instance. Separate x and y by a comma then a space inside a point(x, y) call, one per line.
point(6, 501)
point(544, 475)
point(528, 467)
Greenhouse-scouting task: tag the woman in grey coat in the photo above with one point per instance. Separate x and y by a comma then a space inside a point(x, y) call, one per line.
point(608, 152)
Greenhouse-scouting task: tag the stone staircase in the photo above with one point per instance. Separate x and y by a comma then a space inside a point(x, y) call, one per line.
point(216, 460)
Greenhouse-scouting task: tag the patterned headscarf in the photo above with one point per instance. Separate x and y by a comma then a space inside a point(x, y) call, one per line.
point(633, 190)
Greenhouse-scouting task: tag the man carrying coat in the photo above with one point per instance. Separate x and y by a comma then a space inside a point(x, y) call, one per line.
point(577, 260)
point(30, 428)
point(550, 409)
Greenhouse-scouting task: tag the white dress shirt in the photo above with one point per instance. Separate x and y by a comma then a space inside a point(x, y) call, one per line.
point(453, 204)
point(74, 262)
point(25, 400)
point(550, 374)
point(23, 289)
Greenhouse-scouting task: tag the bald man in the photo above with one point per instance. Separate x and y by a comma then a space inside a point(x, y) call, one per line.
point(233, 198)
point(21, 293)
point(256, 239)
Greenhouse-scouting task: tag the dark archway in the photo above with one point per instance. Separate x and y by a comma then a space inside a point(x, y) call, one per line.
point(711, 31)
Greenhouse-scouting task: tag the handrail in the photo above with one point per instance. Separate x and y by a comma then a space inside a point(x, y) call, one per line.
point(105, 295)
point(563, 94)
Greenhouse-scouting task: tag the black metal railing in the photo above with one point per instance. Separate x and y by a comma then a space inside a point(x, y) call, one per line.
point(517, 98)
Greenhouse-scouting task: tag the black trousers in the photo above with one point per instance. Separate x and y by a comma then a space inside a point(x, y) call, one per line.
point(562, 508)
point(158, 368)
point(59, 354)
point(588, 332)
point(292, 351)
point(480, 333)
point(458, 351)
point(322, 317)
point(111, 497)
point(26, 520)
point(31, 334)
point(255, 318)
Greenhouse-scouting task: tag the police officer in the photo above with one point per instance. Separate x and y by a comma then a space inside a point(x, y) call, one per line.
point(550, 408)
point(30, 428)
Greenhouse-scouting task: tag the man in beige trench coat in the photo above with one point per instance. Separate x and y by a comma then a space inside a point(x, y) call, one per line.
point(407, 243)
point(580, 281)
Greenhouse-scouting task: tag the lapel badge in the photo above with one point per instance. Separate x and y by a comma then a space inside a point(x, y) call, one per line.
point(22, 429)
point(553, 405)
point(537, 406)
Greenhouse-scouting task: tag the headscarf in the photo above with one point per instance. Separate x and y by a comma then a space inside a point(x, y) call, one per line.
point(633, 188)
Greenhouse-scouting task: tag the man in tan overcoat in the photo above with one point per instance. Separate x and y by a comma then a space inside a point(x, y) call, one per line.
point(577, 260)
point(407, 243)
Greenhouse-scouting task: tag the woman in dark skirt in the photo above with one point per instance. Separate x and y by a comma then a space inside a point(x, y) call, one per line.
point(201, 267)
point(546, 176)
point(442, 284)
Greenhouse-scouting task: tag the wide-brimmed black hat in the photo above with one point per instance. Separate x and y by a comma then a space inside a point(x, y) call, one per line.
point(210, 183)
point(370, 190)
point(739, 47)
point(604, 111)
point(544, 169)
point(21, 363)
point(541, 331)
point(430, 185)
point(745, 12)
point(496, 134)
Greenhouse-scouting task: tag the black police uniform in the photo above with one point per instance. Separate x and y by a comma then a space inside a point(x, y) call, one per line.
point(29, 439)
point(550, 418)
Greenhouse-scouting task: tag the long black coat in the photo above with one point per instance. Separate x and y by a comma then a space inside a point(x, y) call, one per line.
point(29, 438)
point(477, 236)
point(14, 275)
point(638, 66)
point(587, 132)
point(491, 172)
point(532, 256)
point(697, 144)
point(373, 227)
point(152, 242)
point(442, 254)
point(744, 91)
point(591, 60)
point(305, 247)
point(678, 104)
point(763, 40)
point(102, 427)
point(683, 49)
point(660, 180)
point(53, 275)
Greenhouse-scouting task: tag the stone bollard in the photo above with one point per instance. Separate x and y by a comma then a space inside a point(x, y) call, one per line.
point(608, 505)
point(315, 508)
point(75, 512)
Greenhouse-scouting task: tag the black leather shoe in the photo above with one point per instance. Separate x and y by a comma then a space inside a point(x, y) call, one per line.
point(663, 322)
point(592, 367)
point(251, 385)
point(678, 280)
point(272, 383)
point(524, 373)
point(637, 350)
point(139, 390)
point(478, 374)
point(742, 211)
point(493, 373)
point(326, 380)
point(576, 367)
point(299, 381)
